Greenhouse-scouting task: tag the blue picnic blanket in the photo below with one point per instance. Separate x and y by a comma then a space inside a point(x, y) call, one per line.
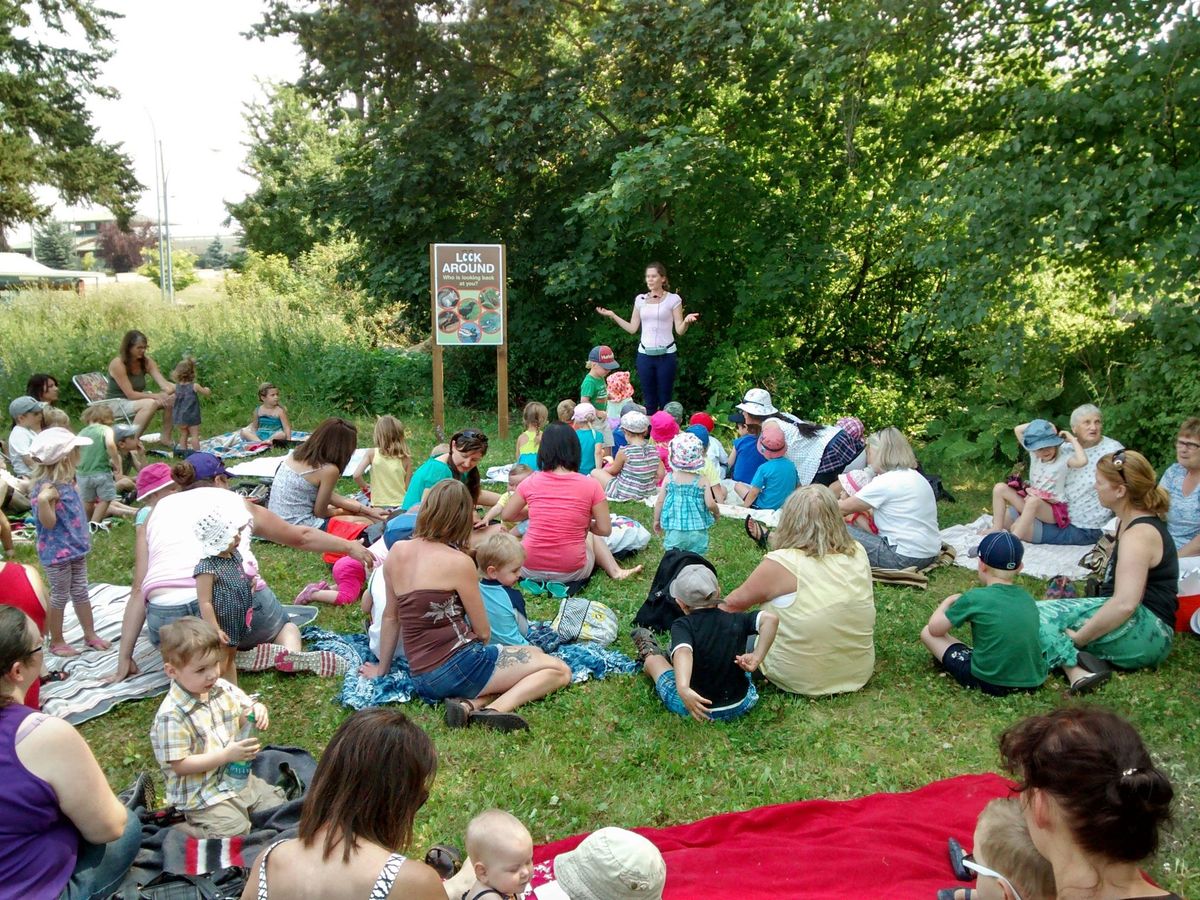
point(231, 445)
point(587, 660)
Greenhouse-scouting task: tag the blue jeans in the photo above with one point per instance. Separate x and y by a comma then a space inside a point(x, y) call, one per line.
point(668, 693)
point(100, 868)
point(657, 375)
point(883, 555)
point(266, 621)
point(1045, 533)
point(465, 674)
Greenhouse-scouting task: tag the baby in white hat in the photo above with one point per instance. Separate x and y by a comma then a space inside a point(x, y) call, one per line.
point(224, 589)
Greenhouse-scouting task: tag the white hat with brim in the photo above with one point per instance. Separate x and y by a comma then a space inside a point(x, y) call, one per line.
point(757, 402)
point(53, 444)
point(612, 864)
point(215, 533)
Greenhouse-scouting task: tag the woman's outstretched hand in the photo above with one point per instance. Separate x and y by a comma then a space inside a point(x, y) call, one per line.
point(604, 311)
point(691, 318)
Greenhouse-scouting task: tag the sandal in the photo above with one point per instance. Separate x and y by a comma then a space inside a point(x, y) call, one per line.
point(957, 855)
point(458, 712)
point(444, 859)
point(953, 893)
point(757, 532)
point(647, 646)
point(498, 721)
point(305, 596)
point(63, 649)
point(1088, 683)
point(98, 643)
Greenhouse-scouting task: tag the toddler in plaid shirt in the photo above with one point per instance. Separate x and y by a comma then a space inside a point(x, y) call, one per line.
point(195, 735)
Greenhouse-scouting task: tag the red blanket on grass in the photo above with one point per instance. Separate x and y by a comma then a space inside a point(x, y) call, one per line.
point(884, 845)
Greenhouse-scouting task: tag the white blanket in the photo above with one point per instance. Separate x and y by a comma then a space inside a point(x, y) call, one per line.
point(1041, 560)
point(265, 466)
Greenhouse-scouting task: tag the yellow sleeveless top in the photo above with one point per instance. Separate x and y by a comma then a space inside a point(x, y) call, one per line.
point(387, 480)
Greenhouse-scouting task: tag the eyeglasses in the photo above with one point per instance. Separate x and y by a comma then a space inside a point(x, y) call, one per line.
point(554, 588)
point(968, 862)
point(1118, 461)
point(1186, 445)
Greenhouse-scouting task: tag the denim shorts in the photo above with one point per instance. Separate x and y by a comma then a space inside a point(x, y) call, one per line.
point(668, 693)
point(97, 486)
point(266, 618)
point(957, 661)
point(465, 674)
point(1044, 533)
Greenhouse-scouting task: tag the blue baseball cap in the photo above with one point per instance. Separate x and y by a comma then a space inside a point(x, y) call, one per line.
point(1040, 434)
point(999, 550)
point(700, 432)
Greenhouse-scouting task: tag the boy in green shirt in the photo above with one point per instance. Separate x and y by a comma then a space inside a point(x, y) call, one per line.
point(1007, 656)
point(594, 389)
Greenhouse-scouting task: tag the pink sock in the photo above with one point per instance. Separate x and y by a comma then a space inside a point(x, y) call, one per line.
point(350, 576)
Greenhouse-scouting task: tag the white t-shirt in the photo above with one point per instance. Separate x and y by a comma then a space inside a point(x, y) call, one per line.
point(20, 442)
point(1051, 477)
point(1083, 503)
point(905, 512)
point(658, 321)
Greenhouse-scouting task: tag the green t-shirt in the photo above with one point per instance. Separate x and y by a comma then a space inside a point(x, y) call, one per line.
point(431, 472)
point(1004, 633)
point(596, 390)
point(93, 459)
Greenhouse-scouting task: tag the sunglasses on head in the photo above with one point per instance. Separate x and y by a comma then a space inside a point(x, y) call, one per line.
point(969, 863)
point(1118, 461)
point(555, 589)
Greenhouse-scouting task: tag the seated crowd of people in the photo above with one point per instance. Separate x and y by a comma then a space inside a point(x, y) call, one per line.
point(451, 556)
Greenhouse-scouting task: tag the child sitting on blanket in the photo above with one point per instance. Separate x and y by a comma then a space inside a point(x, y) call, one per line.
point(498, 559)
point(708, 676)
point(1004, 858)
point(350, 576)
point(848, 485)
point(516, 474)
point(500, 850)
point(773, 480)
point(270, 421)
point(195, 735)
point(1007, 656)
point(1042, 498)
point(591, 440)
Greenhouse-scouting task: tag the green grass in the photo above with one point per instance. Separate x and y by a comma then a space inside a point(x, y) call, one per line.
point(608, 753)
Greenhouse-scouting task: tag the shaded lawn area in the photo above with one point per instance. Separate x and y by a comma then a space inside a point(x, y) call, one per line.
point(608, 753)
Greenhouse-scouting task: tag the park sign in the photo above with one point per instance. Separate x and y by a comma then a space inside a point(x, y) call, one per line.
point(469, 294)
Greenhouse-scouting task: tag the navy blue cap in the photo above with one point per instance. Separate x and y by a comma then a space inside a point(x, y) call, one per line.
point(999, 550)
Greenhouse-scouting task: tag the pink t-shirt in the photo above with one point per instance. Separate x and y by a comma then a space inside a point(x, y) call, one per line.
point(560, 511)
point(658, 320)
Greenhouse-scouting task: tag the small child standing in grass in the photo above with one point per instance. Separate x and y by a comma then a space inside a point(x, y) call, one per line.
point(63, 541)
point(187, 404)
point(195, 735)
point(685, 508)
point(594, 387)
point(708, 675)
point(529, 440)
point(270, 421)
point(500, 849)
point(224, 589)
point(499, 558)
point(1007, 656)
point(390, 462)
point(99, 467)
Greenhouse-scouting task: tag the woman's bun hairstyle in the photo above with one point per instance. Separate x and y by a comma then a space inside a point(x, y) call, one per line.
point(183, 474)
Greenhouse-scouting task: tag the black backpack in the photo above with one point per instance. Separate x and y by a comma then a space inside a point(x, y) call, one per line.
point(660, 608)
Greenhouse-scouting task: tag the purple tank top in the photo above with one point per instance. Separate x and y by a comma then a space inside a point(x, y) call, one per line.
point(40, 843)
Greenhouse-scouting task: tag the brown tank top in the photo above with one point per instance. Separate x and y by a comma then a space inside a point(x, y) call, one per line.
point(433, 625)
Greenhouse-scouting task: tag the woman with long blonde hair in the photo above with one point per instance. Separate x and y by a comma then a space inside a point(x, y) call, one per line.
point(817, 578)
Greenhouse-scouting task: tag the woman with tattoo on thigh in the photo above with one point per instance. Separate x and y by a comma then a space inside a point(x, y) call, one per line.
point(434, 605)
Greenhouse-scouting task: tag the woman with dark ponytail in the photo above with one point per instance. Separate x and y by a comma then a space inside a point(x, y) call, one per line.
point(1131, 622)
point(1093, 800)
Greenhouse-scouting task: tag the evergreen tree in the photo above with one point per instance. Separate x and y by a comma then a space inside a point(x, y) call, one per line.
point(214, 257)
point(55, 246)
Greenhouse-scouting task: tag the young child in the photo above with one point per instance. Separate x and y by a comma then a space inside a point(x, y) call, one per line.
point(628, 406)
point(564, 411)
point(708, 676)
point(187, 404)
point(662, 429)
point(849, 484)
point(195, 735)
point(529, 441)
point(1007, 657)
point(1004, 858)
point(390, 462)
point(518, 473)
point(350, 576)
point(63, 540)
point(710, 470)
point(501, 852)
point(591, 441)
point(773, 481)
point(224, 588)
point(636, 470)
point(133, 456)
point(675, 410)
point(594, 387)
point(685, 508)
point(499, 558)
point(26, 414)
point(99, 468)
point(270, 422)
point(620, 391)
point(1042, 499)
point(714, 450)
point(53, 417)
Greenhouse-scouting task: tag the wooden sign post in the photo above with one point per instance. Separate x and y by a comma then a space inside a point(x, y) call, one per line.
point(469, 299)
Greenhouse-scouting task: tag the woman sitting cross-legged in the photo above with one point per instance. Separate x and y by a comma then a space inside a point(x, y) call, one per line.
point(434, 604)
point(817, 578)
point(372, 779)
point(1132, 622)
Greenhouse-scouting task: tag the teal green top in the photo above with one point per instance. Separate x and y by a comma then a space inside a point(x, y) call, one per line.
point(93, 459)
point(596, 390)
point(431, 472)
point(1004, 634)
point(587, 449)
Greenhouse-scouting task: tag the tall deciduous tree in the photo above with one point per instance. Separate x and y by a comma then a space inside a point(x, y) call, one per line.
point(50, 56)
point(121, 249)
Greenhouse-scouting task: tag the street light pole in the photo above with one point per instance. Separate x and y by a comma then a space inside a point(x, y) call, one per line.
point(158, 206)
point(165, 264)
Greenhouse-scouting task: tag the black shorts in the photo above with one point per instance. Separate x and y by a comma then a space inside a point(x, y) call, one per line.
point(957, 661)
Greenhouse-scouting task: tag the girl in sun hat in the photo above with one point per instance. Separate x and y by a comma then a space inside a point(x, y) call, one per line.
point(63, 540)
point(662, 428)
point(685, 508)
point(636, 470)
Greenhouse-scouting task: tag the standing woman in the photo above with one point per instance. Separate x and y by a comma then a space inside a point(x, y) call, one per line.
point(127, 393)
point(658, 313)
